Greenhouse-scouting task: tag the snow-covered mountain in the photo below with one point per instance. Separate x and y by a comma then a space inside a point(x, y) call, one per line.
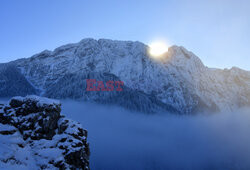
point(179, 82)
point(34, 135)
point(13, 83)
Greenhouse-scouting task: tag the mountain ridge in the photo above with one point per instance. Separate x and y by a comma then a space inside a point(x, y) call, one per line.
point(178, 79)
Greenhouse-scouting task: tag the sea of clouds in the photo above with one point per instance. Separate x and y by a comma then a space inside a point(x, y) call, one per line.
point(121, 140)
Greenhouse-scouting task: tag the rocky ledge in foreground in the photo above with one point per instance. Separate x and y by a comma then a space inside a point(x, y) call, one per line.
point(34, 135)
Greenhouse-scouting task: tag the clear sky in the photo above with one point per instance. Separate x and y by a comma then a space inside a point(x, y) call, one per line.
point(218, 31)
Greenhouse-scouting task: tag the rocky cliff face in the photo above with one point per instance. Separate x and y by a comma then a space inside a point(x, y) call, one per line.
point(179, 80)
point(34, 135)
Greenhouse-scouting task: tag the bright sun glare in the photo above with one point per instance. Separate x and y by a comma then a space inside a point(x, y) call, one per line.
point(157, 48)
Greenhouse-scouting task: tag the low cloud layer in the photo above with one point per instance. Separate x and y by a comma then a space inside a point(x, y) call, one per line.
point(120, 139)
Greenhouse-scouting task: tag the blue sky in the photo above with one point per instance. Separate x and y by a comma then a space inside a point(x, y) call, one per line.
point(218, 31)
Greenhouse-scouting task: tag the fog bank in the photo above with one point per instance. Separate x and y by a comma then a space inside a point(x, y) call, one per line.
point(120, 139)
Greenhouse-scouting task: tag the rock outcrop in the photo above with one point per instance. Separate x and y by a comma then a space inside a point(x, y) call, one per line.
point(34, 135)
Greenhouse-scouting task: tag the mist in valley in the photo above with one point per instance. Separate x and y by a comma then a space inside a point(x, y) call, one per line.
point(120, 139)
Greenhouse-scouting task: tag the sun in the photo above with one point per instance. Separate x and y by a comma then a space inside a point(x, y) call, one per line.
point(158, 48)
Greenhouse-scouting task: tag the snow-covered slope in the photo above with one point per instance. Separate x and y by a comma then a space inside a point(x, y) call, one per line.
point(13, 83)
point(33, 135)
point(179, 79)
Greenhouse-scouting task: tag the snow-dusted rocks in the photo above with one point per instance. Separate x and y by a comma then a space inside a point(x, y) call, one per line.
point(33, 135)
point(179, 80)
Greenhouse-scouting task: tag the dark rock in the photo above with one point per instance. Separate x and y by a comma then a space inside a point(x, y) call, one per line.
point(43, 127)
point(6, 132)
point(77, 158)
point(15, 103)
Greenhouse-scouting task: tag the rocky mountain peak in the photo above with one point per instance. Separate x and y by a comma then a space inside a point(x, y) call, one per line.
point(179, 79)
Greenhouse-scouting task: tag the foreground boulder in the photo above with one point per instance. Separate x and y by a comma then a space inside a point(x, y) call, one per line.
point(34, 135)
